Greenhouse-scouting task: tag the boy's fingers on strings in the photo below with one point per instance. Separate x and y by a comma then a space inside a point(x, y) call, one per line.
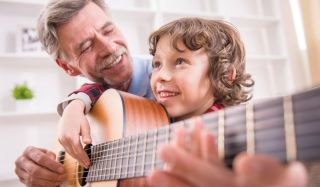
point(208, 147)
point(196, 136)
point(181, 138)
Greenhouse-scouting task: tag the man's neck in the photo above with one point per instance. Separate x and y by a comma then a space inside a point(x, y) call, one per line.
point(125, 86)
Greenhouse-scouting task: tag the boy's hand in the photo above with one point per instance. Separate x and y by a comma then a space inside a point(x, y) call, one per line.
point(72, 125)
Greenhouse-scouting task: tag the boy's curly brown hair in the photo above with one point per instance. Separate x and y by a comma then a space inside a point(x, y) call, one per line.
point(225, 50)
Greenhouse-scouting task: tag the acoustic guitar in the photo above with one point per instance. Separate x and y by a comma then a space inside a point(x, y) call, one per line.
point(127, 130)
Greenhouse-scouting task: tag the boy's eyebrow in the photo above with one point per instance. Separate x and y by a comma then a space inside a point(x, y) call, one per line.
point(79, 46)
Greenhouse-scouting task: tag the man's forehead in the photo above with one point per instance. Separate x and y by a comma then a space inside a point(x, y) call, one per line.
point(90, 34)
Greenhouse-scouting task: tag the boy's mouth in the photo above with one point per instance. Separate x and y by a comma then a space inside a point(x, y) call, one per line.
point(164, 94)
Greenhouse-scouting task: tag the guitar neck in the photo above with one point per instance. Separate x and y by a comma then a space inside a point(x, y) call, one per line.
point(286, 128)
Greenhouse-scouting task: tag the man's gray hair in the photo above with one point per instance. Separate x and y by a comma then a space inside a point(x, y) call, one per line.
point(54, 14)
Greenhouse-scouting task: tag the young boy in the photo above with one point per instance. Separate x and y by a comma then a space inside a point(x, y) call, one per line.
point(198, 67)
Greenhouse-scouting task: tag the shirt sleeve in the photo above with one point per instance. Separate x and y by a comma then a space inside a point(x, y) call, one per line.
point(88, 93)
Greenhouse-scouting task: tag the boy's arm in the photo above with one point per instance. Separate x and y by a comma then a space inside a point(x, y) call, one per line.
point(88, 94)
point(73, 123)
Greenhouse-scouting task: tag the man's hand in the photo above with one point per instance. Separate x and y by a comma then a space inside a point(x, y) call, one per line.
point(72, 125)
point(38, 167)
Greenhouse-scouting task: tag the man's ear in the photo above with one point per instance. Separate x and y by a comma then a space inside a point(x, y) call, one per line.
point(69, 69)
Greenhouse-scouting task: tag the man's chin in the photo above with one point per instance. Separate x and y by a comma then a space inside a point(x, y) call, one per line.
point(122, 84)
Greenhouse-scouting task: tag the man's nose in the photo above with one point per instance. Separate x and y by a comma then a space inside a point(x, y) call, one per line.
point(105, 45)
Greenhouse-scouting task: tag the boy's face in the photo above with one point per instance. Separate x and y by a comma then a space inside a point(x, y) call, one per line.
point(180, 80)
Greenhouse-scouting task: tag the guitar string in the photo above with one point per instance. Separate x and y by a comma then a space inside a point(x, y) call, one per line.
point(160, 138)
point(128, 173)
point(136, 170)
point(126, 158)
point(150, 150)
point(209, 126)
point(120, 175)
point(213, 127)
point(137, 136)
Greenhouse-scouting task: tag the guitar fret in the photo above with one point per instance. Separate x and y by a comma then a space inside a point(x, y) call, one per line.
point(109, 163)
point(154, 147)
point(291, 146)
point(115, 160)
point(167, 134)
point(121, 158)
point(144, 153)
point(94, 168)
point(250, 128)
point(135, 156)
point(127, 163)
point(104, 162)
point(97, 161)
point(101, 172)
point(221, 134)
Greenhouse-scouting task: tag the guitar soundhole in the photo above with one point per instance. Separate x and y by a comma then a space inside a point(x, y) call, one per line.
point(83, 172)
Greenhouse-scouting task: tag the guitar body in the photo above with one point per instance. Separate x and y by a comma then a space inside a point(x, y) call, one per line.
point(116, 115)
point(124, 144)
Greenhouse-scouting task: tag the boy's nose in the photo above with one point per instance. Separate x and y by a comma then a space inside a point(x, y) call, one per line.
point(165, 74)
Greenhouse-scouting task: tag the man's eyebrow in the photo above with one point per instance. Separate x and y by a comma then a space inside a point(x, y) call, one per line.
point(79, 46)
point(105, 25)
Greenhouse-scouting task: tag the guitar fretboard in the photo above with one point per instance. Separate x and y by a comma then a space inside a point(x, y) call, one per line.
point(286, 128)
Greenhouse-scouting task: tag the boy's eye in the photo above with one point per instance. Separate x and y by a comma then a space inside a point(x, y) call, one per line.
point(156, 64)
point(180, 61)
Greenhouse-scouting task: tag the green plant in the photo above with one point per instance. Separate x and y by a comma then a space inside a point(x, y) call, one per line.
point(22, 91)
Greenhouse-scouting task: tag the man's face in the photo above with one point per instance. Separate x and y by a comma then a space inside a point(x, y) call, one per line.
point(179, 79)
point(95, 47)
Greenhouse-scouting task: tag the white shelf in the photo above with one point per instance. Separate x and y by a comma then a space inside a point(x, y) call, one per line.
point(266, 58)
point(27, 60)
point(48, 114)
point(133, 13)
point(8, 177)
point(207, 15)
point(254, 21)
point(24, 2)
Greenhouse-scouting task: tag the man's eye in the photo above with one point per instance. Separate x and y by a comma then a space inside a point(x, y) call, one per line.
point(86, 47)
point(84, 50)
point(108, 30)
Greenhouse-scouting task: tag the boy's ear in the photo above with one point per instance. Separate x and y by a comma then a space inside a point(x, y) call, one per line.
point(232, 74)
point(67, 67)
